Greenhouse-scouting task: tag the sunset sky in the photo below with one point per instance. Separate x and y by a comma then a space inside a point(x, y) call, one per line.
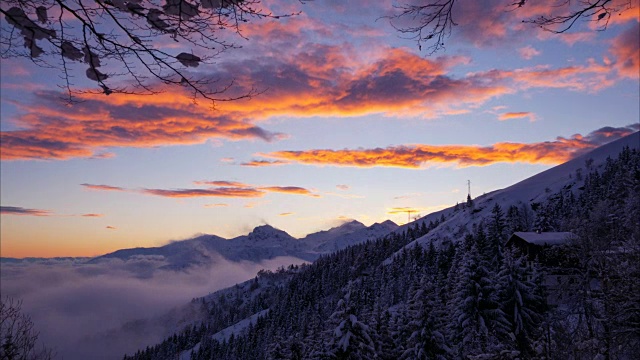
point(352, 122)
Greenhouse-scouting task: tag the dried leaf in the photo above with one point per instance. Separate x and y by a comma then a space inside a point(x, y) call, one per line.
point(16, 17)
point(41, 12)
point(71, 52)
point(91, 58)
point(95, 75)
point(211, 4)
point(153, 18)
point(181, 8)
point(187, 59)
point(135, 8)
point(34, 49)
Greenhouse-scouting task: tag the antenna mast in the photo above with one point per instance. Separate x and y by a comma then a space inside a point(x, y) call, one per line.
point(469, 185)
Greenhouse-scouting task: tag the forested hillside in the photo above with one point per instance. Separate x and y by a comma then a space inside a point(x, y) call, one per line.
point(472, 299)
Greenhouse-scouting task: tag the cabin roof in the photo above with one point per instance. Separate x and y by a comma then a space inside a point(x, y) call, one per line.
point(544, 238)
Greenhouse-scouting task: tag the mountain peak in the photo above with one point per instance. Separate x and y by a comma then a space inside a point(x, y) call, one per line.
point(263, 232)
point(350, 225)
point(264, 228)
point(389, 223)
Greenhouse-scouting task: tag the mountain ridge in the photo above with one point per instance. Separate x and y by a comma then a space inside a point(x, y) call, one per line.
point(262, 243)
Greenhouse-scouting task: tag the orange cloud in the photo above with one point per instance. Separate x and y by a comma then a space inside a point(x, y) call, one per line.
point(259, 163)
point(289, 190)
point(416, 156)
point(16, 210)
point(50, 131)
point(217, 192)
point(103, 187)
point(305, 80)
point(286, 214)
point(396, 82)
point(591, 77)
point(569, 38)
point(625, 51)
point(216, 205)
point(92, 215)
point(517, 115)
point(403, 210)
point(528, 52)
point(342, 187)
point(110, 227)
point(227, 189)
point(223, 183)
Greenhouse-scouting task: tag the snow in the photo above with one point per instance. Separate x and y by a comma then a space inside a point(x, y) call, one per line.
point(238, 327)
point(225, 334)
point(545, 238)
point(263, 243)
point(345, 235)
point(534, 189)
point(186, 355)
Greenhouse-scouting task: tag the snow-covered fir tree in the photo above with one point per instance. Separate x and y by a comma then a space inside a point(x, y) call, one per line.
point(351, 339)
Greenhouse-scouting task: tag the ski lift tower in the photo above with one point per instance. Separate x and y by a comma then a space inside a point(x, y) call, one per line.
point(409, 211)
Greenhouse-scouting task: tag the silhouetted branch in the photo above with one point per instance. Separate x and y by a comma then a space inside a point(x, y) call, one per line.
point(430, 22)
point(129, 36)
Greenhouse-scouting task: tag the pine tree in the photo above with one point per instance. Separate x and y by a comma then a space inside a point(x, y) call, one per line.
point(476, 317)
point(495, 236)
point(520, 301)
point(514, 221)
point(386, 347)
point(427, 340)
point(351, 338)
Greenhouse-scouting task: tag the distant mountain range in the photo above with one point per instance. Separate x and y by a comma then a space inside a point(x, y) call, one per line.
point(262, 243)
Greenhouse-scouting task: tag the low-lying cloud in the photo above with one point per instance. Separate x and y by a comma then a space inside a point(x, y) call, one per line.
point(91, 303)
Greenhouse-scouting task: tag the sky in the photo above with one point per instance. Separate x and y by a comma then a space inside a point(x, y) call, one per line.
point(352, 121)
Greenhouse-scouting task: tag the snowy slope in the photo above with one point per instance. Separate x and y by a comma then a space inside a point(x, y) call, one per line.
point(534, 189)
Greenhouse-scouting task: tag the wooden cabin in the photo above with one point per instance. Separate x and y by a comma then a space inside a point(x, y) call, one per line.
point(532, 243)
point(537, 247)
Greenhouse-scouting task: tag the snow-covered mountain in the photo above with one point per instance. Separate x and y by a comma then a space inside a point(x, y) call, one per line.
point(262, 243)
point(347, 234)
point(535, 189)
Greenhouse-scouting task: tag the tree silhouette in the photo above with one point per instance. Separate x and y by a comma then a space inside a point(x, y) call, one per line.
point(430, 22)
point(18, 338)
point(133, 39)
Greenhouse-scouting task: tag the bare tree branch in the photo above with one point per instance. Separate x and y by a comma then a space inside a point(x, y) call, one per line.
point(598, 11)
point(430, 22)
point(129, 36)
point(18, 338)
point(433, 22)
